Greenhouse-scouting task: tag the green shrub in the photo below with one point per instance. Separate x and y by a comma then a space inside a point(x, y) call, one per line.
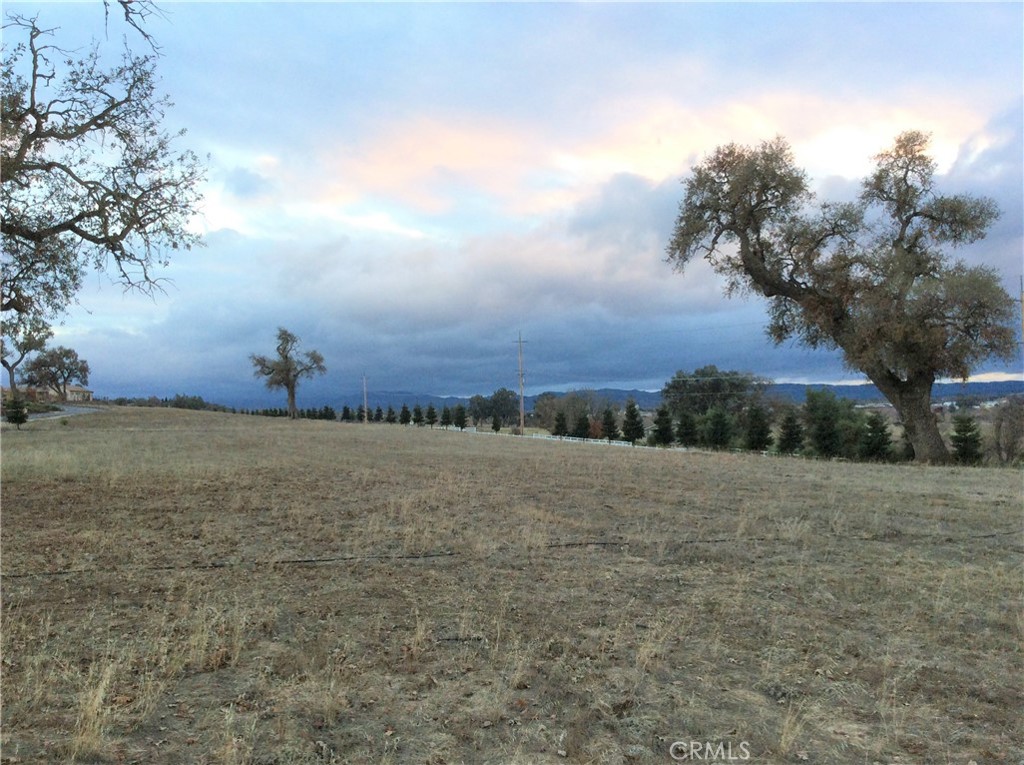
point(876, 443)
point(15, 411)
point(791, 434)
point(966, 440)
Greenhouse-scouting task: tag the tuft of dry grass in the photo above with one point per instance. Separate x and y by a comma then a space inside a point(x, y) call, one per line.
point(199, 587)
point(89, 737)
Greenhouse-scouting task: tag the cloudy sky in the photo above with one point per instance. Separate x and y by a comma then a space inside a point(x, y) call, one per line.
point(409, 187)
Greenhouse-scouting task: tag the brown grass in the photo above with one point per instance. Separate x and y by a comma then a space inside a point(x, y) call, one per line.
point(196, 587)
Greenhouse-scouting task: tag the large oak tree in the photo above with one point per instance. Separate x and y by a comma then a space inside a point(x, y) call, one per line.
point(708, 387)
point(869, 277)
point(55, 369)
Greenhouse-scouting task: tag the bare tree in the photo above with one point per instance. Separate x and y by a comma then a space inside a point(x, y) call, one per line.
point(88, 175)
point(1008, 429)
point(136, 14)
point(288, 367)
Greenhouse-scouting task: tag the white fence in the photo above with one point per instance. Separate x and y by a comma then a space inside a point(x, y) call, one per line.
point(568, 439)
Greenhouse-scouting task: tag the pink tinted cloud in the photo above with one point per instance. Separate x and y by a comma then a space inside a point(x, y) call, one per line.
point(426, 162)
point(429, 165)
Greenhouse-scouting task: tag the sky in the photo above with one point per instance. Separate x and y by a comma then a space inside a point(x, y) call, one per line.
point(411, 188)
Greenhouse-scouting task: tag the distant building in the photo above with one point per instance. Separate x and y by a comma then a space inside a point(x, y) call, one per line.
point(76, 393)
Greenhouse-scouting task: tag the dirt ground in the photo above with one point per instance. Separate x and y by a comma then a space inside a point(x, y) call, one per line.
point(214, 588)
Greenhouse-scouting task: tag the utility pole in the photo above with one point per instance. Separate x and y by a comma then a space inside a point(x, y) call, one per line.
point(522, 391)
point(366, 403)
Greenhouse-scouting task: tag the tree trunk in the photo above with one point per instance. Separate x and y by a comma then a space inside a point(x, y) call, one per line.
point(293, 410)
point(922, 428)
point(913, 402)
point(14, 385)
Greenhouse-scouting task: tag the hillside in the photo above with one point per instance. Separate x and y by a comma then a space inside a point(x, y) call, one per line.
point(868, 393)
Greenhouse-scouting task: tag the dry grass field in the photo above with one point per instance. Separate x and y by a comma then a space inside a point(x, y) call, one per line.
point(185, 587)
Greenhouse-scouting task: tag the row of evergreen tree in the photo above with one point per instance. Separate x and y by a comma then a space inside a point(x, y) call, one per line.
point(448, 417)
point(826, 426)
point(606, 428)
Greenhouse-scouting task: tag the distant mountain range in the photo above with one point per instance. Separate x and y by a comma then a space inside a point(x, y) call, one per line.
point(650, 400)
point(868, 393)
